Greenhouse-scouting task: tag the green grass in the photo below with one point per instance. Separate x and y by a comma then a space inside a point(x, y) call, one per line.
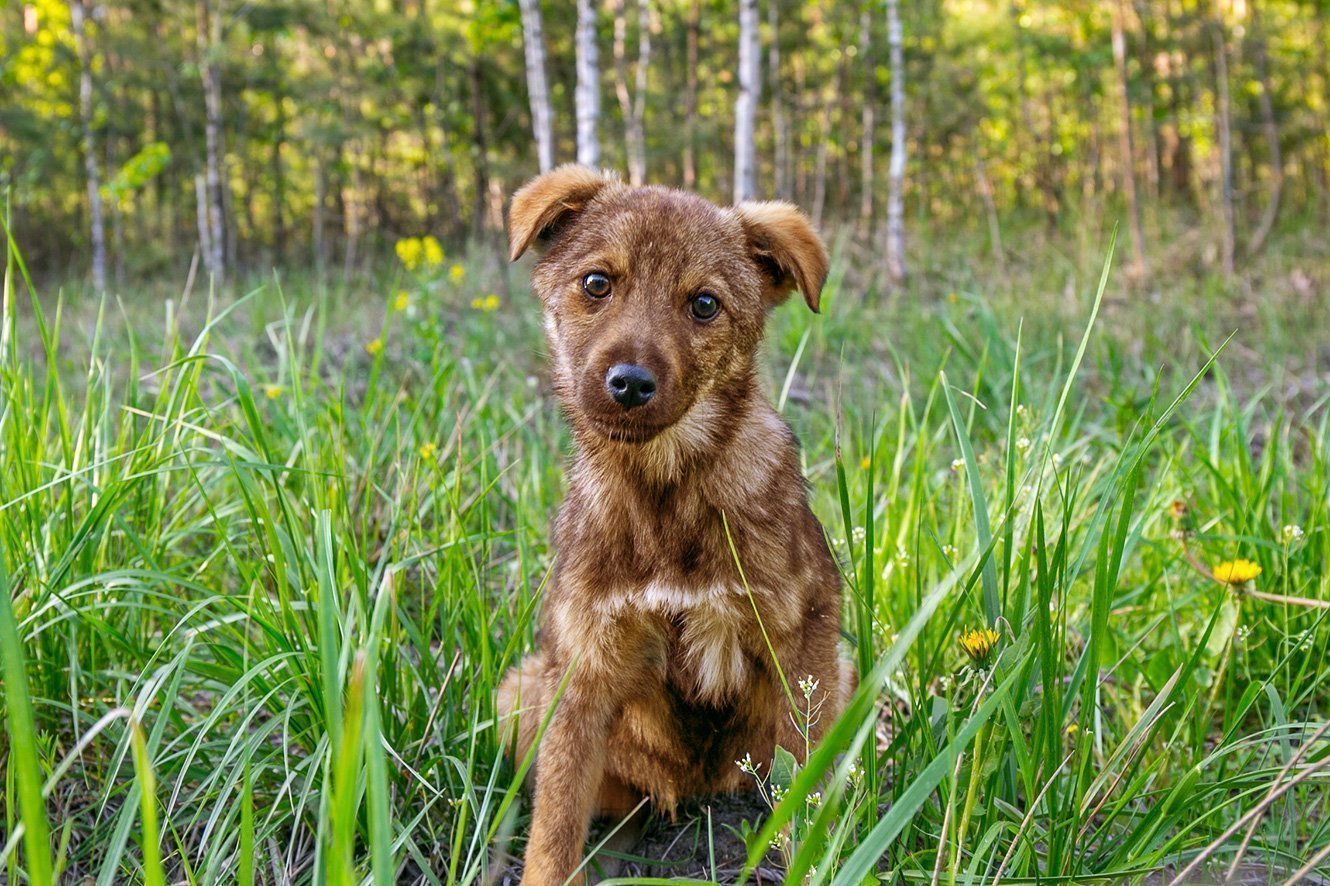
point(261, 582)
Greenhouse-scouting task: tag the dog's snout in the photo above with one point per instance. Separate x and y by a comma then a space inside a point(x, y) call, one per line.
point(630, 385)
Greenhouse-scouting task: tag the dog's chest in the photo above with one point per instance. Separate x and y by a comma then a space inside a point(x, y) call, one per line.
point(708, 657)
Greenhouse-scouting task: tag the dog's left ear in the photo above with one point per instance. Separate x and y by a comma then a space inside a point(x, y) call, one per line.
point(548, 202)
point(788, 251)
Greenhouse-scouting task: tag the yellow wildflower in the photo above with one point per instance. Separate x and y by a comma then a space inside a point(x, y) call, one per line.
point(402, 301)
point(272, 392)
point(487, 304)
point(427, 451)
point(865, 463)
point(374, 347)
point(456, 273)
point(1235, 572)
point(409, 251)
point(433, 252)
point(1073, 729)
point(979, 644)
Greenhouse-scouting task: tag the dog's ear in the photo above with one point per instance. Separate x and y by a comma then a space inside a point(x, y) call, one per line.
point(787, 250)
point(547, 202)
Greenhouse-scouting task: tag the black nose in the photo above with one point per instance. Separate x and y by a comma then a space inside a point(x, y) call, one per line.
point(630, 385)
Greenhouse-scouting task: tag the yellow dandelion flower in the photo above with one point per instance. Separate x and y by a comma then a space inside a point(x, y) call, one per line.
point(374, 347)
point(1073, 729)
point(409, 251)
point(488, 303)
point(865, 463)
point(272, 392)
point(456, 273)
point(402, 301)
point(427, 451)
point(1235, 572)
point(433, 252)
point(979, 644)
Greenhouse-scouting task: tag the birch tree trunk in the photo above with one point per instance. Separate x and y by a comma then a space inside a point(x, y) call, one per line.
point(867, 120)
point(780, 133)
point(690, 96)
point(745, 108)
point(1271, 126)
point(632, 103)
point(91, 165)
point(588, 85)
point(1127, 156)
point(1224, 131)
point(640, 95)
point(896, 270)
point(542, 119)
point(209, 39)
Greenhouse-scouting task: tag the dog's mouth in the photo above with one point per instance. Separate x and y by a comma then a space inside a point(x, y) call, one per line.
point(623, 431)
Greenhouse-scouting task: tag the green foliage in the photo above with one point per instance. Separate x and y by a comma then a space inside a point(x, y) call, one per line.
point(346, 124)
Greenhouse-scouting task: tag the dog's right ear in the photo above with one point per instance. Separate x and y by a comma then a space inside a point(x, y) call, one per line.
point(548, 202)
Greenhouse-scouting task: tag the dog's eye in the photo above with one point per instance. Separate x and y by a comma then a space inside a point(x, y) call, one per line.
point(596, 285)
point(704, 306)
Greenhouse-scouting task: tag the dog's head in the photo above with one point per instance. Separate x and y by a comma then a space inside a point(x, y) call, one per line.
point(655, 299)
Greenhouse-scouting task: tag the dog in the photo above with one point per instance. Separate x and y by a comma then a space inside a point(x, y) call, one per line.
point(692, 588)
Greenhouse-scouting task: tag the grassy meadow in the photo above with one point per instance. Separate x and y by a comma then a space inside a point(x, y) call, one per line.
point(264, 555)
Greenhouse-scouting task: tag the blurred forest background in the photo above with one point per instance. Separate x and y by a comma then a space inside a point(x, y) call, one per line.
point(139, 136)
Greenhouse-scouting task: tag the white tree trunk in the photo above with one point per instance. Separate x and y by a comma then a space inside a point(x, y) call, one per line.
point(745, 108)
point(91, 166)
point(209, 40)
point(537, 88)
point(1224, 128)
point(632, 104)
point(588, 85)
point(690, 95)
point(867, 120)
point(640, 95)
point(780, 132)
point(1126, 153)
point(896, 270)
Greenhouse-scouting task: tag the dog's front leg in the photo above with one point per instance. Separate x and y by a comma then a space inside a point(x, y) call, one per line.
point(610, 664)
point(571, 764)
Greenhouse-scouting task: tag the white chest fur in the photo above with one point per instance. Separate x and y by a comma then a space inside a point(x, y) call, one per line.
point(710, 663)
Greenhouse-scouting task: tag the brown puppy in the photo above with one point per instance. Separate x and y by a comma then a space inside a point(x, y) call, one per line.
point(691, 573)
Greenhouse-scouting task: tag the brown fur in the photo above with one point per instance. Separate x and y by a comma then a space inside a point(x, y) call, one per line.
point(665, 644)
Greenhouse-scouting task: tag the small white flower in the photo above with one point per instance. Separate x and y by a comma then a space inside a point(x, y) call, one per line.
point(1291, 534)
point(1022, 411)
point(747, 765)
point(1057, 459)
point(814, 799)
point(957, 464)
point(950, 551)
point(857, 534)
point(808, 686)
point(902, 559)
